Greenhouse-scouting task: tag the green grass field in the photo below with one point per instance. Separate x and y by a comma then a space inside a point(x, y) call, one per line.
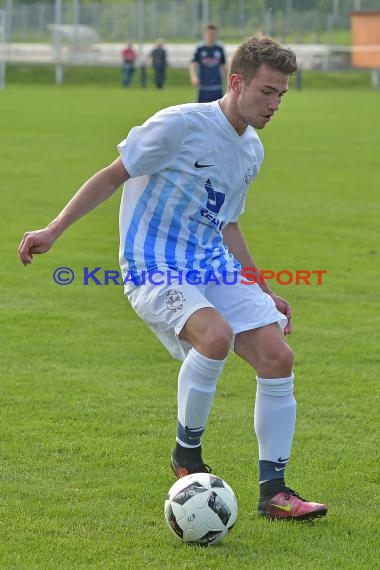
point(88, 395)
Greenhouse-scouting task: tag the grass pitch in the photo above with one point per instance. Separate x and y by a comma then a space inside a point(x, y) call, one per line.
point(88, 395)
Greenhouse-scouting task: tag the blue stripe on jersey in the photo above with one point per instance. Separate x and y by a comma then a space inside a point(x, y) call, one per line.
point(205, 262)
point(152, 231)
point(233, 264)
point(211, 254)
point(174, 230)
point(207, 235)
point(138, 213)
point(191, 247)
point(193, 243)
point(222, 259)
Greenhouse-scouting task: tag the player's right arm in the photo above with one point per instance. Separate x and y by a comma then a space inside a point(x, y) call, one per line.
point(194, 73)
point(93, 192)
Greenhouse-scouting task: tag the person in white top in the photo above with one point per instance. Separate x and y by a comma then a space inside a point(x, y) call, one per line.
point(186, 172)
point(190, 171)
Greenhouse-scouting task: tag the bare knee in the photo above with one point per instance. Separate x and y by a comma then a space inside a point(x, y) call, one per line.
point(208, 332)
point(216, 342)
point(276, 363)
point(266, 350)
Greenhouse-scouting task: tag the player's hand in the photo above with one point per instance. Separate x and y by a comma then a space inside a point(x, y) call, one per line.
point(38, 241)
point(284, 308)
point(195, 81)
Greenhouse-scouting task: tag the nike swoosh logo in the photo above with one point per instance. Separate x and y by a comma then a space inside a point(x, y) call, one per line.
point(197, 165)
point(280, 460)
point(286, 508)
point(279, 468)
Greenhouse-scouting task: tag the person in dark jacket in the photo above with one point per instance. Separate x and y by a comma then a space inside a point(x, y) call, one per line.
point(159, 63)
point(208, 67)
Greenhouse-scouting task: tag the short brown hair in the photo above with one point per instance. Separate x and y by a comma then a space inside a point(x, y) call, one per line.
point(261, 49)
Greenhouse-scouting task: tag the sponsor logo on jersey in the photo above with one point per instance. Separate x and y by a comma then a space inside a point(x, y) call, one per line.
point(197, 165)
point(174, 300)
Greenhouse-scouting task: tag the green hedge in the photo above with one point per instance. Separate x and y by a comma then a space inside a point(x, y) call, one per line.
point(75, 75)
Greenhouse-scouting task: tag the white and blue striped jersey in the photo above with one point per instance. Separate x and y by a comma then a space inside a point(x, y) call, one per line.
point(190, 172)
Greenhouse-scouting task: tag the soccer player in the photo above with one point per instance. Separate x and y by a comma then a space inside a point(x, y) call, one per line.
point(186, 172)
point(159, 63)
point(208, 67)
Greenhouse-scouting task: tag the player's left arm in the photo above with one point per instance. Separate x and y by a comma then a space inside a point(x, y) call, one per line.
point(235, 241)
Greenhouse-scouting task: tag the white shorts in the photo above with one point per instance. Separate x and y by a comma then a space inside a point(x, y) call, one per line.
point(166, 308)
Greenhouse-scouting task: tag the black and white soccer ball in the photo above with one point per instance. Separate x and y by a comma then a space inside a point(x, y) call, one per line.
point(200, 509)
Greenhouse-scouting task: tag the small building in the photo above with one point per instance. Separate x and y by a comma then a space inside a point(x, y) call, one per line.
point(365, 28)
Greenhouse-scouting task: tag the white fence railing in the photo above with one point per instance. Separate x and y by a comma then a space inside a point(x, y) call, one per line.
point(309, 56)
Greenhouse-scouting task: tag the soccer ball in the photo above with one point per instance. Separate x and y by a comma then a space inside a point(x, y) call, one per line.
point(200, 509)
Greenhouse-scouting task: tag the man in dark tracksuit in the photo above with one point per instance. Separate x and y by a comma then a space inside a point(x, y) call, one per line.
point(159, 63)
point(208, 67)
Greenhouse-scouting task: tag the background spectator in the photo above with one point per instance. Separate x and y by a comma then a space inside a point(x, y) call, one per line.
point(207, 68)
point(159, 63)
point(128, 55)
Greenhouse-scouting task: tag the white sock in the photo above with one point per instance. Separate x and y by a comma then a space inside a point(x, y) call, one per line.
point(274, 419)
point(197, 382)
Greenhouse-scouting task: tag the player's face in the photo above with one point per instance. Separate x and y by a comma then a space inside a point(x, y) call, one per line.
point(259, 98)
point(211, 37)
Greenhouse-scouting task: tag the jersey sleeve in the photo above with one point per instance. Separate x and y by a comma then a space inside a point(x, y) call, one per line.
point(249, 177)
point(153, 146)
point(235, 215)
point(196, 56)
